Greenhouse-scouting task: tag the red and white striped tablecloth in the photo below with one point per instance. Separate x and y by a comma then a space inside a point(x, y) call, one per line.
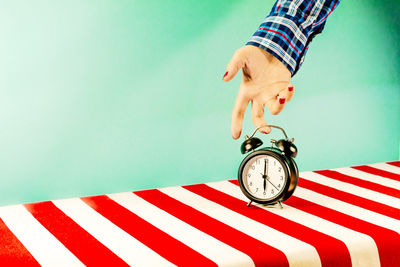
point(341, 217)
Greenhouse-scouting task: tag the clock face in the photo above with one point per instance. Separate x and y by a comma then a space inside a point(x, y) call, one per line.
point(264, 177)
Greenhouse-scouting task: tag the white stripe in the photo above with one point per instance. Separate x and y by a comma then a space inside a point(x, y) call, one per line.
point(386, 167)
point(118, 241)
point(293, 7)
point(369, 177)
point(349, 209)
point(206, 245)
point(297, 252)
point(313, 14)
point(352, 189)
point(362, 248)
point(43, 246)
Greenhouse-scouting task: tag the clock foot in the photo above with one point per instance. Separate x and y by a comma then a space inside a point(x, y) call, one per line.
point(268, 205)
point(274, 205)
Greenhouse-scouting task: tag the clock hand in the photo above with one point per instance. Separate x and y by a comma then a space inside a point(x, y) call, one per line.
point(271, 183)
point(265, 182)
point(265, 185)
point(265, 166)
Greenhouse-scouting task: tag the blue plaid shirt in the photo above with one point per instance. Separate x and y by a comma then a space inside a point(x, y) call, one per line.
point(289, 28)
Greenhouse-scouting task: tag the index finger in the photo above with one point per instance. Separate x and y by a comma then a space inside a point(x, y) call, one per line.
point(238, 114)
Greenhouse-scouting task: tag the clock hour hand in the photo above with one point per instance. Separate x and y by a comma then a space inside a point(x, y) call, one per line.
point(265, 182)
point(271, 183)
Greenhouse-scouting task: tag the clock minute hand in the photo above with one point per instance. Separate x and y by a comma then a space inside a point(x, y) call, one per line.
point(265, 166)
point(265, 174)
point(265, 184)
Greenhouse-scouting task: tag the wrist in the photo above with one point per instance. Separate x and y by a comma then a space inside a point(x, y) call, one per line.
point(275, 68)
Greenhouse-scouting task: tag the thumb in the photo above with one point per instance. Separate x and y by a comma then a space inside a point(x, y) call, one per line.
point(236, 63)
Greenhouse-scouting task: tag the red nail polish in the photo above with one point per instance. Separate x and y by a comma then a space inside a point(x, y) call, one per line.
point(282, 100)
point(291, 88)
point(226, 73)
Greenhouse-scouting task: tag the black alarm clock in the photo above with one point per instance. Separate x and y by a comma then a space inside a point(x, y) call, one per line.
point(268, 175)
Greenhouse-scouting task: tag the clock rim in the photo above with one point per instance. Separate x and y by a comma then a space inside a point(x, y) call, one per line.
point(294, 178)
point(271, 152)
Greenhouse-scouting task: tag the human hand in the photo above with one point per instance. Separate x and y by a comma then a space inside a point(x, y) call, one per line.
point(265, 81)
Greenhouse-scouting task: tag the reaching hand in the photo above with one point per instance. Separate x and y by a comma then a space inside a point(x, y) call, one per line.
point(265, 81)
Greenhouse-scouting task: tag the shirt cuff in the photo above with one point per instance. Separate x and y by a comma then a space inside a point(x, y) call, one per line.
point(283, 37)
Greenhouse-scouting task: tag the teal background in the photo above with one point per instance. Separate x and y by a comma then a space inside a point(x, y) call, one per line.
point(109, 96)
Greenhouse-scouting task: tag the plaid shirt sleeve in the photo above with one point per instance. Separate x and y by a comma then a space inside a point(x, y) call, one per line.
point(289, 28)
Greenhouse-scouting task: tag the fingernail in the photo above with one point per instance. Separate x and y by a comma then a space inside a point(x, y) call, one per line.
point(226, 73)
point(282, 100)
point(291, 88)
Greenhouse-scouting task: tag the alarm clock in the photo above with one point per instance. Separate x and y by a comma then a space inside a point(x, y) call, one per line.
point(268, 175)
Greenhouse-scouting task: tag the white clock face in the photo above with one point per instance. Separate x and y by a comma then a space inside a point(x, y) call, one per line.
point(264, 177)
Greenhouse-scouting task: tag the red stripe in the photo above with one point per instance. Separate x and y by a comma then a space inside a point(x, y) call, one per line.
point(84, 246)
point(308, 7)
point(260, 252)
point(387, 241)
point(394, 163)
point(12, 252)
point(378, 172)
point(360, 182)
point(351, 199)
point(279, 7)
point(165, 245)
point(265, 29)
point(327, 247)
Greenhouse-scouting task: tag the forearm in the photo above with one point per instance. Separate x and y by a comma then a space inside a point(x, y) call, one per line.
point(289, 28)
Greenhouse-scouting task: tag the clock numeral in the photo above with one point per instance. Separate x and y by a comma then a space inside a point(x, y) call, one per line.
point(251, 183)
point(281, 178)
point(279, 185)
point(272, 191)
point(258, 161)
point(280, 169)
point(248, 175)
point(256, 189)
point(253, 167)
point(274, 163)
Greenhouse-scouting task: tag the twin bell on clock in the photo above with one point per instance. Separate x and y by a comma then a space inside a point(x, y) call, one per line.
point(268, 175)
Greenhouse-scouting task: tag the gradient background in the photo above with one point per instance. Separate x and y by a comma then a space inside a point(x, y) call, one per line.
point(108, 96)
